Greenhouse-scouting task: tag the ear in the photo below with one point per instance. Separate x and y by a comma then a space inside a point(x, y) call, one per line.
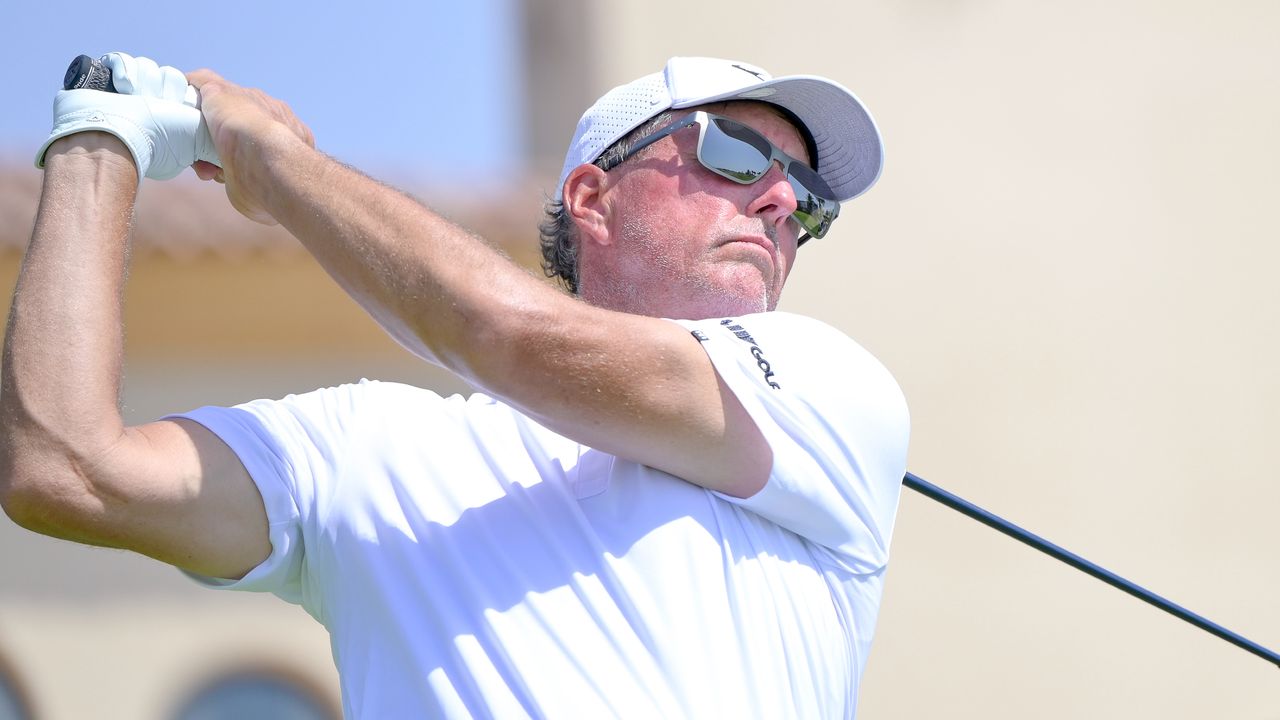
point(584, 201)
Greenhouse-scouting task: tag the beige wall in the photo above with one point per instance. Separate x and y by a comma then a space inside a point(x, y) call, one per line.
point(1070, 265)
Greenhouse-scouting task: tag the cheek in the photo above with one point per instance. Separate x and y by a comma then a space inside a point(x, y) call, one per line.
point(787, 264)
point(787, 246)
point(675, 222)
point(679, 218)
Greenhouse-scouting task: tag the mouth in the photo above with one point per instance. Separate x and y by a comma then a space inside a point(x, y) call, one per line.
point(757, 240)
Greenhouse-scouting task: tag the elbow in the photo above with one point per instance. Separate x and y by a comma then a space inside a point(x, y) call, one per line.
point(11, 500)
point(31, 498)
point(17, 501)
point(34, 508)
point(18, 492)
point(47, 474)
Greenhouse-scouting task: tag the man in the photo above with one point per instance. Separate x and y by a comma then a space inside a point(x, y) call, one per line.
point(641, 517)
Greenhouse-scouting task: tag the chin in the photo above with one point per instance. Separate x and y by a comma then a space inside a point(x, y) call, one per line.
point(746, 296)
point(729, 304)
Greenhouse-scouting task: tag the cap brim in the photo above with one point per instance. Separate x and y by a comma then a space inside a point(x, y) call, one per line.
point(850, 152)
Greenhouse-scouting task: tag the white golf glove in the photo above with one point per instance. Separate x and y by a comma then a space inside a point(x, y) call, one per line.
point(155, 113)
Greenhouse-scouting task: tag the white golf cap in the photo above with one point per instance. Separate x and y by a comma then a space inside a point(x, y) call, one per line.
point(849, 152)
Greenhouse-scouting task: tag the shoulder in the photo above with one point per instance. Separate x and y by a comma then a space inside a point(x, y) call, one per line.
point(810, 379)
point(792, 351)
point(835, 420)
point(366, 397)
point(344, 413)
point(787, 331)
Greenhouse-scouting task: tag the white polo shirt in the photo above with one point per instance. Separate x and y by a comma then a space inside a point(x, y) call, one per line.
point(468, 562)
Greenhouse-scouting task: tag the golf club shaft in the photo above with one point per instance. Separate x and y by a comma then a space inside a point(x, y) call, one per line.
point(933, 491)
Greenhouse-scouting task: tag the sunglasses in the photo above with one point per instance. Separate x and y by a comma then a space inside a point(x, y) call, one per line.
point(732, 150)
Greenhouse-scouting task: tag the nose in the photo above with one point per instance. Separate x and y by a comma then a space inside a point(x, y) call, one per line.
point(773, 198)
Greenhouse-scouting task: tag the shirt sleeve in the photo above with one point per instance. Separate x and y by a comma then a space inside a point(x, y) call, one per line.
point(835, 420)
point(290, 447)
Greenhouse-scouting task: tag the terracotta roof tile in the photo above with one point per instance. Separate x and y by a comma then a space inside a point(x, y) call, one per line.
point(187, 219)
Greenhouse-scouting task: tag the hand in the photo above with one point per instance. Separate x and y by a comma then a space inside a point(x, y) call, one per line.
point(247, 126)
point(155, 113)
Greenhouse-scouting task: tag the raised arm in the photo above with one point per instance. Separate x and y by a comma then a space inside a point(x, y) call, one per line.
point(68, 465)
point(634, 386)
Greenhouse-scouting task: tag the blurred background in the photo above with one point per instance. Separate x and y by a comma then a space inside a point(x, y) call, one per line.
point(1069, 264)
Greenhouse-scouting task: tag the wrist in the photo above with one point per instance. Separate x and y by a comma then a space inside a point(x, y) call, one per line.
point(266, 165)
point(92, 147)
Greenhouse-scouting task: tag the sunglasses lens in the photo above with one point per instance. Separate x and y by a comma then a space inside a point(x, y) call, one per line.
point(735, 151)
point(814, 211)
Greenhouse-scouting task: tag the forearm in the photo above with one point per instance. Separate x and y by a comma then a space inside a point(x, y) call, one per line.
point(633, 386)
point(62, 355)
point(442, 292)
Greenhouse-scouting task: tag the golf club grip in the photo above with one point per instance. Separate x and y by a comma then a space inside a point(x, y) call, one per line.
point(86, 73)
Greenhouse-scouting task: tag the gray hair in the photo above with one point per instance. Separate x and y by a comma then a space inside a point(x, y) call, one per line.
point(557, 232)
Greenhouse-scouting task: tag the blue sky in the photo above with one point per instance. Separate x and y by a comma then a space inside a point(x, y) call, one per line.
point(416, 92)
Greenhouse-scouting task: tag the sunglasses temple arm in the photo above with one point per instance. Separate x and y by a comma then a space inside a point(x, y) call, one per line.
point(648, 140)
point(966, 508)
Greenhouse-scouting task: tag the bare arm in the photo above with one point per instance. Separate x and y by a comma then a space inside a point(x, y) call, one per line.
point(638, 387)
point(68, 465)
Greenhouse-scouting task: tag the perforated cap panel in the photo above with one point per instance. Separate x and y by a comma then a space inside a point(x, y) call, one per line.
point(850, 154)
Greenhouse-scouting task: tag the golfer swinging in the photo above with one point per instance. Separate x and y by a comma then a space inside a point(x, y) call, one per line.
point(670, 501)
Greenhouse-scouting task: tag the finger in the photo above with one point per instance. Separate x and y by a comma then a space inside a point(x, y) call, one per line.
point(124, 69)
point(206, 170)
point(204, 76)
point(147, 78)
point(173, 83)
